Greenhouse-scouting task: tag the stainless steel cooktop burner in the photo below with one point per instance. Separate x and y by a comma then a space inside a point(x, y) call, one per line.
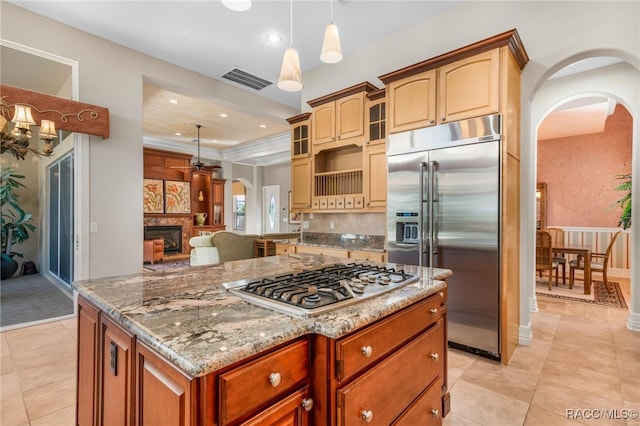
point(312, 292)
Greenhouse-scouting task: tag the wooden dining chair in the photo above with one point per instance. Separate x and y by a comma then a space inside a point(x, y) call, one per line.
point(544, 255)
point(599, 263)
point(557, 240)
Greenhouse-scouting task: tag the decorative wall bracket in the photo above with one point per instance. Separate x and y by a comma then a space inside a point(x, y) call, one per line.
point(68, 115)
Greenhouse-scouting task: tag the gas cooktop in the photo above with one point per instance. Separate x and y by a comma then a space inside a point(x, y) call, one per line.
point(316, 291)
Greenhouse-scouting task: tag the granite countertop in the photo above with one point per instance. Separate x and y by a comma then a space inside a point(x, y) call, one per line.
point(189, 317)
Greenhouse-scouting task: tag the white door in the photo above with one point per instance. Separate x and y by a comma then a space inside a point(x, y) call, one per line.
point(270, 209)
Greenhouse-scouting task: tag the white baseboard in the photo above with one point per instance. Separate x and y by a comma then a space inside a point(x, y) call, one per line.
point(525, 335)
point(633, 323)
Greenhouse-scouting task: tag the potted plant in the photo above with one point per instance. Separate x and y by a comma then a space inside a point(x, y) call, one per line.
point(14, 221)
point(625, 202)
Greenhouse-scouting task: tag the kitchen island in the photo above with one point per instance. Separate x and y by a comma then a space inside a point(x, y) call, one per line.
point(177, 348)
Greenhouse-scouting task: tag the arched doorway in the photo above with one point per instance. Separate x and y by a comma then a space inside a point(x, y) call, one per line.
point(617, 81)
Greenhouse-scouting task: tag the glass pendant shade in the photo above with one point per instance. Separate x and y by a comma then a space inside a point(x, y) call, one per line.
point(331, 50)
point(237, 5)
point(290, 77)
point(48, 129)
point(22, 116)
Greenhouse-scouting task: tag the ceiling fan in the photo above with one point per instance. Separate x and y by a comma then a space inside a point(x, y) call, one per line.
point(199, 165)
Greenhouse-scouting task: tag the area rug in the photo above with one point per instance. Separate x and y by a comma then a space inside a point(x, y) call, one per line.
point(167, 265)
point(601, 296)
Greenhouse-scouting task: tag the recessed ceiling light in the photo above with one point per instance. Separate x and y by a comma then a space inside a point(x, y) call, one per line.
point(178, 134)
point(173, 101)
point(223, 115)
point(263, 126)
point(273, 38)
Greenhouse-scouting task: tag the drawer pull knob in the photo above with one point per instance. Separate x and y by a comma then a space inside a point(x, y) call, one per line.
point(435, 356)
point(441, 294)
point(366, 351)
point(435, 412)
point(307, 404)
point(434, 311)
point(275, 379)
point(432, 121)
point(367, 415)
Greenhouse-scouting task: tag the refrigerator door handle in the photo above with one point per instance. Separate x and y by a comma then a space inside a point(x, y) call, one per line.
point(433, 242)
point(421, 169)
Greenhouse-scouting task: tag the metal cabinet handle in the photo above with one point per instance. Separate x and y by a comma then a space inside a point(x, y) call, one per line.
point(435, 412)
point(275, 379)
point(432, 121)
point(444, 118)
point(434, 311)
point(435, 356)
point(366, 351)
point(366, 415)
point(307, 404)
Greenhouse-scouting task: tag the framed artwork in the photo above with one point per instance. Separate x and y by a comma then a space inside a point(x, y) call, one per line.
point(153, 197)
point(293, 217)
point(177, 196)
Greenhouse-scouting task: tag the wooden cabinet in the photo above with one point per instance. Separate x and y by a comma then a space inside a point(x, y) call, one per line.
point(412, 102)
point(117, 351)
point(300, 135)
point(469, 87)
point(164, 395)
point(207, 201)
point(339, 116)
point(87, 406)
point(375, 176)
point(265, 381)
point(372, 256)
point(376, 118)
point(326, 251)
point(283, 248)
point(338, 120)
point(391, 372)
point(290, 411)
point(301, 184)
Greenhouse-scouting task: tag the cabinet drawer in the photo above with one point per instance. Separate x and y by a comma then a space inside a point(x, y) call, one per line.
point(284, 249)
point(426, 410)
point(331, 203)
point(358, 351)
point(386, 390)
point(340, 203)
point(358, 202)
point(246, 388)
point(323, 203)
point(348, 202)
point(372, 256)
point(288, 411)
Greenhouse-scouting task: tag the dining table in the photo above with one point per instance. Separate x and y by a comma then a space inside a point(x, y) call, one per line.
point(581, 250)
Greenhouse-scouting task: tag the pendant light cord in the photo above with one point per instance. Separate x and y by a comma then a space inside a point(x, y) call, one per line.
point(291, 24)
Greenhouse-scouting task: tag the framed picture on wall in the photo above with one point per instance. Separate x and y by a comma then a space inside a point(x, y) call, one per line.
point(177, 196)
point(293, 217)
point(153, 196)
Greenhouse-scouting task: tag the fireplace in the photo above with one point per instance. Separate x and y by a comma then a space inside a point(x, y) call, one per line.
point(172, 236)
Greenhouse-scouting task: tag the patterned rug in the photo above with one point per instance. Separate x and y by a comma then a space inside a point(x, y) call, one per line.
point(601, 296)
point(166, 265)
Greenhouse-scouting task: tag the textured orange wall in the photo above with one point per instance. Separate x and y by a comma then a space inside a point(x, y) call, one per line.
point(579, 172)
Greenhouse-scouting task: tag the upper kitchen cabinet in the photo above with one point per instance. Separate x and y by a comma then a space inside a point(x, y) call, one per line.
point(300, 135)
point(301, 184)
point(339, 117)
point(469, 87)
point(412, 102)
point(376, 117)
point(472, 81)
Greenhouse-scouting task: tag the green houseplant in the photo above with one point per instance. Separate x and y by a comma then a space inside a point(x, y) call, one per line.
point(14, 220)
point(625, 202)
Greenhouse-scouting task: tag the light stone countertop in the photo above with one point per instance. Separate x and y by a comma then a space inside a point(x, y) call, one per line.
point(188, 316)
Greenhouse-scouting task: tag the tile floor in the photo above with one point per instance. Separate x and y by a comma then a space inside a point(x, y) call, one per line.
point(582, 357)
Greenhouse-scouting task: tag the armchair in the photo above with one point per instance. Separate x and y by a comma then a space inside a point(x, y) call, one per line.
point(153, 250)
point(599, 263)
point(544, 255)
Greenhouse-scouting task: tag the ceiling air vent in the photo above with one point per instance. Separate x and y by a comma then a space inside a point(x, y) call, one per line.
point(246, 79)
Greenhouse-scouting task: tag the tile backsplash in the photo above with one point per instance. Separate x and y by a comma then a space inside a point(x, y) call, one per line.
point(354, 223)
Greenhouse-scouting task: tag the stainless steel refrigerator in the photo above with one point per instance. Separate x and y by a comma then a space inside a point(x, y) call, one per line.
point(443, 210)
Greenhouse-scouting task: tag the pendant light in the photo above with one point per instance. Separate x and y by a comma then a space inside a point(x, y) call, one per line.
point(331, 50)
point(237, 5)
point(290, 79)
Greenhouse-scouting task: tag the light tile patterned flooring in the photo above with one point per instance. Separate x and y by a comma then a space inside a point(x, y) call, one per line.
point(582, 357)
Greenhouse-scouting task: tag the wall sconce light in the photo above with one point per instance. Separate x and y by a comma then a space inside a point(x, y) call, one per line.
point(48, 134)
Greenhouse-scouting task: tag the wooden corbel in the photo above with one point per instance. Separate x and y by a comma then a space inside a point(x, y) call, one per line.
point(68, 115)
